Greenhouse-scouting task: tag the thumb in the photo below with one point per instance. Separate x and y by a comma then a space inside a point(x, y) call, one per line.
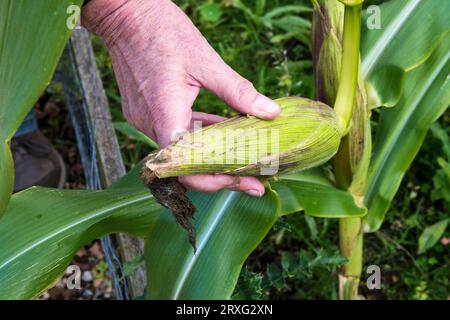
point(236, 91)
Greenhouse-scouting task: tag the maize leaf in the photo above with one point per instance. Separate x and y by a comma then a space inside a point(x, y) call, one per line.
point(27, 61)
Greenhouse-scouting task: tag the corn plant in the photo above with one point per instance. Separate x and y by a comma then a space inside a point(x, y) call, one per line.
point(402, 67)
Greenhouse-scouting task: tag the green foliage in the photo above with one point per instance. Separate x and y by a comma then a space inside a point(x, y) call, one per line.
point(312, 192)
point(431, 235)
point(405, 273)
point(210, 12)
point(441, 179)
point(424, 59)
point(249, 286)
point(304, 264)
point(131, 132)
point(229, 225)
point(392, 51)
point(302, 270)
point(54, 224)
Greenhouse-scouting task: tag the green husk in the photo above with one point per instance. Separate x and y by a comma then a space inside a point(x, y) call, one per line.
point(327, 29)
point(305, 135)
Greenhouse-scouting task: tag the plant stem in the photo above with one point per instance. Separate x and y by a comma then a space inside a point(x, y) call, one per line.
point(350, 229)
point(351, 246)
point(350, 66)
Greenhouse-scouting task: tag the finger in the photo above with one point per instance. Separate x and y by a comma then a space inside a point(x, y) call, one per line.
point(250, 185)
point(212, 183)
point(208, 182)
point(206, 119)
point(236, 91)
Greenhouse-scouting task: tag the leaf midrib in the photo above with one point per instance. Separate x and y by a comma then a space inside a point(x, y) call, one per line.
point(59, 231)
point(203, 239)
point(389, 33)
point(395, 135)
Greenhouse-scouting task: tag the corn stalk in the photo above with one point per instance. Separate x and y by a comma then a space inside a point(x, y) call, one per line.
point(336, 59)
point(350, 229)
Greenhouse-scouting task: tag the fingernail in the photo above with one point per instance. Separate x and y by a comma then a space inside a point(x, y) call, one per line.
point(266, 105)
point(254, 193)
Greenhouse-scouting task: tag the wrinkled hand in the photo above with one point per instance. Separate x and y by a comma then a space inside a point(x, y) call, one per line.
point(161, 61)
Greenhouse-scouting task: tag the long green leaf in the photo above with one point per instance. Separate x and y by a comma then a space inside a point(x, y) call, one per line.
point(229, 226)
point(410, 30)
point(402, 129)
point(310, 191)
point(43, 228)
point(27, 60)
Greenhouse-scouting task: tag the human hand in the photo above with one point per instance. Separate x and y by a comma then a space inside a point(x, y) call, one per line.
point(161, 62)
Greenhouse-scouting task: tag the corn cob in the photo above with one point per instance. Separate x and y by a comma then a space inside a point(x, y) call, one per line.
point(305, 134)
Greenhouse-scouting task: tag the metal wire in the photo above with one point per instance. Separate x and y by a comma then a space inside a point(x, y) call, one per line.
point(84, 126)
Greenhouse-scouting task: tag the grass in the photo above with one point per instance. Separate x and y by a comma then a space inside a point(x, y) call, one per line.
point(268, 42)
